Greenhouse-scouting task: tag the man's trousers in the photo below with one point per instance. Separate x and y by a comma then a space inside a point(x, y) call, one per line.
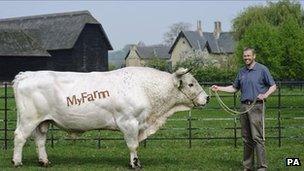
point(253, 136)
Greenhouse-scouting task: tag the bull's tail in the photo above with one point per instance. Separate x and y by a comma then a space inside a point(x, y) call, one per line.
point(18, 78)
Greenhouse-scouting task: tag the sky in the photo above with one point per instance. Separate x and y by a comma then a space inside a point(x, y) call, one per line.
point(128, 22)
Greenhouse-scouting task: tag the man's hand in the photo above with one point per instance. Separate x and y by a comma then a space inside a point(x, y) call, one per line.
point(262, 96)
point(215, 88)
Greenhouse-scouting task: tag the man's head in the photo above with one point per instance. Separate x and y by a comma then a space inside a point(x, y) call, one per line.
point(249, 56)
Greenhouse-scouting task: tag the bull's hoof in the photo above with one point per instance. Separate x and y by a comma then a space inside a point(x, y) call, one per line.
point(135, 164)
point(44, 163)
point(16, 164)
point(135, 167)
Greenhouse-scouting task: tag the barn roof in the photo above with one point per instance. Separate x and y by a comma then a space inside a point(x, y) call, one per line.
point(224, 44)
point(54, 31)
point(152, 51)
point(160, 51)
point(10, 44)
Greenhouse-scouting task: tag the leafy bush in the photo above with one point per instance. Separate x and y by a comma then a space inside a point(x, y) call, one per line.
point(214, 74)
point(208, 73)
point(159, 64)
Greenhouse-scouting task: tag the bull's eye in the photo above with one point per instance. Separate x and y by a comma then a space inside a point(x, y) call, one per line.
point(190, 85)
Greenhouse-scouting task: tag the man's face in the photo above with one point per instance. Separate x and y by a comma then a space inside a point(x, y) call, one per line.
point(248, 57)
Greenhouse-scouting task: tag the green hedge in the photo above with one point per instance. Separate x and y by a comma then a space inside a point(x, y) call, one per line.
point(213, 74)
point(206, 72)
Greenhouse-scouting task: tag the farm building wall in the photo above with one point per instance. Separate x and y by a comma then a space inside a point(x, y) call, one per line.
point(12, 65)
point(62, 60)
point(90, 51)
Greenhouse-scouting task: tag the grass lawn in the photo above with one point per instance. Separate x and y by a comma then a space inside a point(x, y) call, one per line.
point(158, 155)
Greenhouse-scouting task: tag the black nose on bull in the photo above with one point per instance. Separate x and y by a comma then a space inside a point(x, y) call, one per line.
point(208, 98)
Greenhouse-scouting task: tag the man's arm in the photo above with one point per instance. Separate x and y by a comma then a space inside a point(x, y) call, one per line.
point(229, 89)
point(268, 93)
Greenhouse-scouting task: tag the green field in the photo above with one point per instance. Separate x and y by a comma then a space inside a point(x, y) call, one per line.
point(211, 150)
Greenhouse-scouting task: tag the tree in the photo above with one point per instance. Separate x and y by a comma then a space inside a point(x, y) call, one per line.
point(194, 59)
point(276, 32)
point(174, 30)
point(247, 18)
point(141, 43)
point(264, 38)
point(273, 13)
point(281, 11)
point(291, 38)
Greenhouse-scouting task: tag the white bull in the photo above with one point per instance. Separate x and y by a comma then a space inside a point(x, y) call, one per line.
point(134, 100)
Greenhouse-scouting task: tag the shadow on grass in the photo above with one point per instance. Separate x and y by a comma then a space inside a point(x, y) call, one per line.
point(96, 161)
point(102, 162)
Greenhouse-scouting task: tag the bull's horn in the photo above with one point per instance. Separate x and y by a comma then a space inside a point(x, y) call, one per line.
point(182, 71)
point(189, 70)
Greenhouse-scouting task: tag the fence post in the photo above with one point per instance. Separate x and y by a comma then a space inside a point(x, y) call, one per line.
point(190, 129)
point(234, 130)
point(234, 101)
point(5, 115)
point(279, 114)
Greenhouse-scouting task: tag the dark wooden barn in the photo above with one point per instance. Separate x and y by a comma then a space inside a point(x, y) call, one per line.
point(73, 41)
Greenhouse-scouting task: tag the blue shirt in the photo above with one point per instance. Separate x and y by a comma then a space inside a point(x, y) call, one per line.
point(252, 82)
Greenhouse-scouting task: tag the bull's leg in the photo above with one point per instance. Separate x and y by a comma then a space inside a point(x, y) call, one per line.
point(130, 130)
point(22, 132)
point(40, 139)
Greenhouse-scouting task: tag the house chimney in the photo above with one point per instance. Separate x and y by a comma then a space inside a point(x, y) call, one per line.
point(199, 28)
point(217, 29)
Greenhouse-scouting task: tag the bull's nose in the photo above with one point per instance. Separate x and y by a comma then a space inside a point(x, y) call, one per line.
point(208, 98)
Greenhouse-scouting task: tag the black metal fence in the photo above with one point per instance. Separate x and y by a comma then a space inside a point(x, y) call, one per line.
point(6, 138)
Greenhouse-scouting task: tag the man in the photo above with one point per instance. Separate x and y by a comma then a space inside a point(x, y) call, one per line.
point(255, 82)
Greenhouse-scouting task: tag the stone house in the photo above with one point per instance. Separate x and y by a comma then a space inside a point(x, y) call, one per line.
point(213, 47)
point(140, 55)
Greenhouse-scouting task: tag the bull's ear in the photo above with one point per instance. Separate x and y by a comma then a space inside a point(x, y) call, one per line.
point(177, 77)
point(178, 83)
point(180, 72)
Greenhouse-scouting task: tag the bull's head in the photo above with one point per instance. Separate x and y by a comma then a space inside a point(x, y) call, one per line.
point(189, 86)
